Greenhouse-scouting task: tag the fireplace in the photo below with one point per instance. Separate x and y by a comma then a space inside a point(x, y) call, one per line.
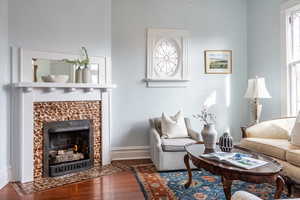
point(68, 147)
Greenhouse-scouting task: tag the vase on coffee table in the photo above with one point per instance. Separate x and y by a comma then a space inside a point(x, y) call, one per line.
point(209, 136)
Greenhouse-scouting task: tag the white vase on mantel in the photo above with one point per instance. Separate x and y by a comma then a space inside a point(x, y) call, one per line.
point(86, 75)
point(78, 75)
point(209, 136)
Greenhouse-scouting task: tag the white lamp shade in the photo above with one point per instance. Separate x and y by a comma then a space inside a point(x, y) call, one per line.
point(257, 89)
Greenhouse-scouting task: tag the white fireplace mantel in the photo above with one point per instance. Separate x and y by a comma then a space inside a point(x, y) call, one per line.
point(26, 93)
point(23, 124)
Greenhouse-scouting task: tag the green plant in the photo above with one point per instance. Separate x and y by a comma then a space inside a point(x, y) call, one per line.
point(78, 62)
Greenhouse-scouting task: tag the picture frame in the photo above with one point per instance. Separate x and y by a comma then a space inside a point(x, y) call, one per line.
point(218, 61)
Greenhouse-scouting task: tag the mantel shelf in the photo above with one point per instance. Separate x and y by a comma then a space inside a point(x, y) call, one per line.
point(28, 86)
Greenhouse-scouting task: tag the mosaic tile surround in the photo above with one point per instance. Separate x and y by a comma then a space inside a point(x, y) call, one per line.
point(62, 111)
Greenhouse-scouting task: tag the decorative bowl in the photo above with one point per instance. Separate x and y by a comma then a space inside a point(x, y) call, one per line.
point(56, 78)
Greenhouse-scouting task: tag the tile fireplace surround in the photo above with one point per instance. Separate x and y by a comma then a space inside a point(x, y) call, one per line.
point(33, 107)
point(64, 111)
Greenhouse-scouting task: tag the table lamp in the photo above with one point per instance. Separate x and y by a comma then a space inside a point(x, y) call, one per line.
point(257, 90)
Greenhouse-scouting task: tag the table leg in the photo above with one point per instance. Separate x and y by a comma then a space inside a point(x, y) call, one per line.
point(227, 187)
point(279, 187)
point(187, 164)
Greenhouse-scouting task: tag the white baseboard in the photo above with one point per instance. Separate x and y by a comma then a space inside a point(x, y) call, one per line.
point(130, 153)
point(5, 175)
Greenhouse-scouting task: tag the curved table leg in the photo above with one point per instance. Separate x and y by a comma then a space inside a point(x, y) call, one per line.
point(187, 164)
point(227, 187)
point(279, 187)
point(289, 186)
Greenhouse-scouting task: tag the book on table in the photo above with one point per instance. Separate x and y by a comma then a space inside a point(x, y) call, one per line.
point(237, 159)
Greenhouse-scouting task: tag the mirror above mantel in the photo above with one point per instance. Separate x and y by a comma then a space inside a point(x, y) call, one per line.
point(31, 69)
point(40, 67)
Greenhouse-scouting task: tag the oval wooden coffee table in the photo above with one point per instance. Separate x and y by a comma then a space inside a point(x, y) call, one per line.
point(268, 173)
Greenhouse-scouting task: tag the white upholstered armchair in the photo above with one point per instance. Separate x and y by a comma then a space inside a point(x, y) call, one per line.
point(167, 154)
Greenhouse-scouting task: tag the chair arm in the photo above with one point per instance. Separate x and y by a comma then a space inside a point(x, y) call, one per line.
point(194, 134)
point(155, 137)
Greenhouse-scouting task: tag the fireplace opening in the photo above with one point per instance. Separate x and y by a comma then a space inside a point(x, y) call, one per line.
point(68, 147)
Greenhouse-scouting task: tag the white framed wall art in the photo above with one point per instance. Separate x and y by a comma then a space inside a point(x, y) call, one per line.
point(167, 58)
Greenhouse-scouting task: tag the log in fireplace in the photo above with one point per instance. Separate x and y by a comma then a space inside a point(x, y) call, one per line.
point(68, 147)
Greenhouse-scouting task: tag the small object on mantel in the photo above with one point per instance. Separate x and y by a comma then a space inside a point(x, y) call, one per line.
point(35, 68)
point(55, 78)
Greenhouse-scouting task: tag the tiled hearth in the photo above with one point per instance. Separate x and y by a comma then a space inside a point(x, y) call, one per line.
point(64, 111)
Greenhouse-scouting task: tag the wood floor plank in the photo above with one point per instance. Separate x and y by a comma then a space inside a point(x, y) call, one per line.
point(120, 186)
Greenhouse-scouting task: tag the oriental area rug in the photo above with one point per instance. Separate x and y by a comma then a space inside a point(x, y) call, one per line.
point(170, 185)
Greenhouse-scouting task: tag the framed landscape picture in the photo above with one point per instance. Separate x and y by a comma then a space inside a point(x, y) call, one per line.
point(218, 61)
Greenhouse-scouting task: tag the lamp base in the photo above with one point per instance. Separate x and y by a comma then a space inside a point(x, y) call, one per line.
point(256, 111)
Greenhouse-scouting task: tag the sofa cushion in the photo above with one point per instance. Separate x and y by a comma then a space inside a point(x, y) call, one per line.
point(275, 129)
point(175, 145)
point(272, 147)
point(293, 157)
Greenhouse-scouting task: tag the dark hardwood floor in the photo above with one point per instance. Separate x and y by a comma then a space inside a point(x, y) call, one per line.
point(121, 186)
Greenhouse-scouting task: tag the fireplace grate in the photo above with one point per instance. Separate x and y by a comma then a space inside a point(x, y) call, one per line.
point(68, 147)
point(69, 167)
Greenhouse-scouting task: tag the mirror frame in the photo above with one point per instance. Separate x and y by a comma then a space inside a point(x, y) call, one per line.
point(26, 69)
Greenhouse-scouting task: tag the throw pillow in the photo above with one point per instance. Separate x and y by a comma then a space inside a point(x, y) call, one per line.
point(295, 135)
point(173, 127)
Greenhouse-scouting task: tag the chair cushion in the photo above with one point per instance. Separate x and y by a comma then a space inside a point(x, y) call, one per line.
point(272, 147)
point(293, 157)
point(176, 144)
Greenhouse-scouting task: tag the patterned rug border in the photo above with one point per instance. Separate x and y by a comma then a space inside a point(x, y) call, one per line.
point(137, 177)
point(144, 187)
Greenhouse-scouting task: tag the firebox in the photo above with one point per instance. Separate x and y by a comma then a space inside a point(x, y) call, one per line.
point(68, 147)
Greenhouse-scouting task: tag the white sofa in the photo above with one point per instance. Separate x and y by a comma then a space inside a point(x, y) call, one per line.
point(167, 154)
point(272, 138)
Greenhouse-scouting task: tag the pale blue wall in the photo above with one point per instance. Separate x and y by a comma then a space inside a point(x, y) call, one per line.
point(213, 24)
point(264, 50)
point(61, 26)
point(4, 95)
